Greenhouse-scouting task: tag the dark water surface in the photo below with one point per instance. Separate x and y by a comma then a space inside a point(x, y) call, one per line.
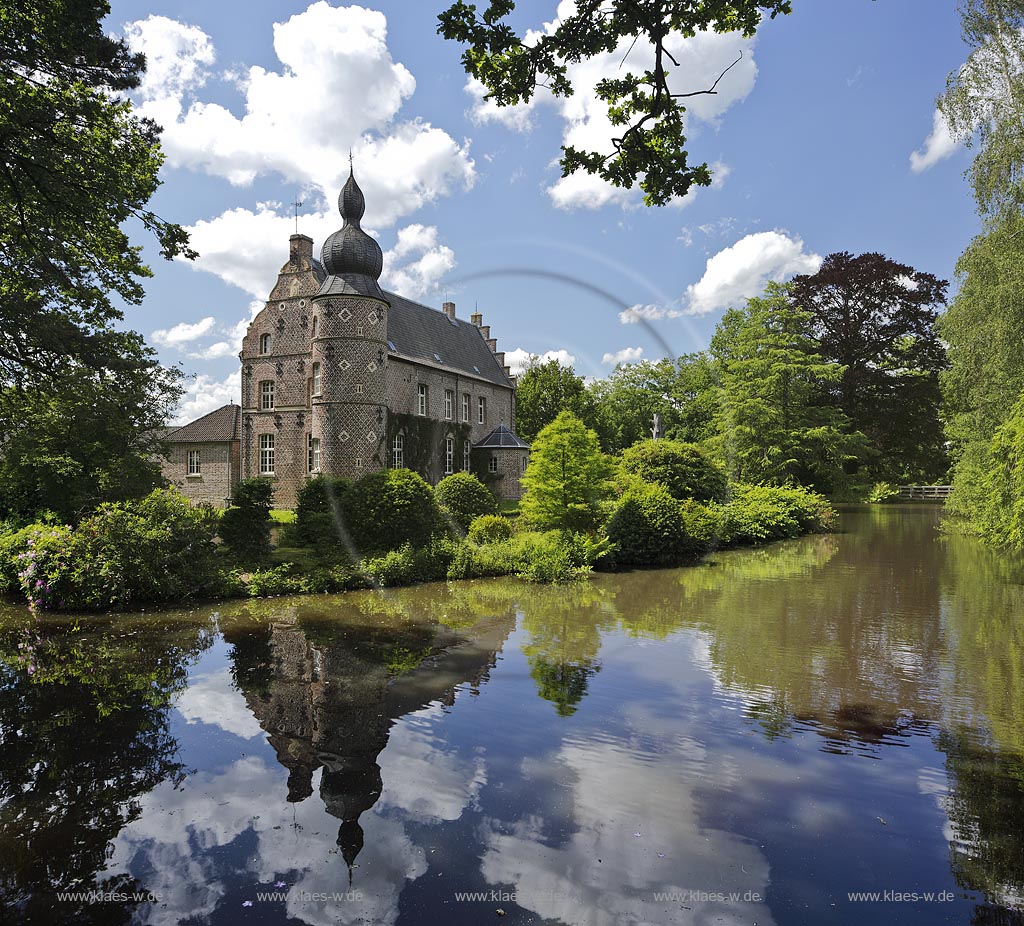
point(745, 742)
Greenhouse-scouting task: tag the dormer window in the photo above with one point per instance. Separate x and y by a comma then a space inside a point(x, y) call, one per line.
point(264, 343)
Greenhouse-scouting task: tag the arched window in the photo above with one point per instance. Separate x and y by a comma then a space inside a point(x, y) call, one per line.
point(264, 343)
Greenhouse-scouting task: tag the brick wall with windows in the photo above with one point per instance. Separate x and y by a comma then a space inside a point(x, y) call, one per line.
point(204, 472)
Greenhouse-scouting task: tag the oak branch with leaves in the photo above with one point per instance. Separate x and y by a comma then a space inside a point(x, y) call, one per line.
point(650, 149)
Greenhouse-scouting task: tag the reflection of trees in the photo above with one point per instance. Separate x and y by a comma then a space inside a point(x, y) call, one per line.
point(328, 680)
point(565, 627)
point(83, 735)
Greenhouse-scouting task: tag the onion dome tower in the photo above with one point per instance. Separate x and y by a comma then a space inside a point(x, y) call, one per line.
point(349, 349)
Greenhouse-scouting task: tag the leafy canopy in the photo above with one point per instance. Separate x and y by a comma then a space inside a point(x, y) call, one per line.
point(543, 390)
point(645, 105)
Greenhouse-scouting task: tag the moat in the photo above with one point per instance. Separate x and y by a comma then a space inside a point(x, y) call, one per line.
point(753, 741)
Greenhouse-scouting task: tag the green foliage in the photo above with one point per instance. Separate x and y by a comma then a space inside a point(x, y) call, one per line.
point(320, 514)
point(409, 565)
point(125, 554)
point(875, 318)
point(389, 508)
point(487, 528)
point(644, 104)
point(882, 492)
point(245, 526)
point(423, 440)
point(685, 470)
point(90, 437)
point(464, 498)
point(776, 422)
point(546, 388)
point(567, 477)
point(550, 557)
point(759, 514)
point(78, 164)
point(1000, 516)
point(648, 528)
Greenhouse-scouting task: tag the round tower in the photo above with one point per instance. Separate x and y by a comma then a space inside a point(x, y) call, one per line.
point(349, 348)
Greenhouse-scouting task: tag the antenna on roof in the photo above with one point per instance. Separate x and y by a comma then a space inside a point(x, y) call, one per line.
point(296, 203)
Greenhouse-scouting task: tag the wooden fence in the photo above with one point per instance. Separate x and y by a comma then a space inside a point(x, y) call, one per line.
point(932, 493)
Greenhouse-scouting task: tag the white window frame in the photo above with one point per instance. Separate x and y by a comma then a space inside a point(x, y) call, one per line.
point(398, 452)
point(492, 463)
point(466, 447)
point(313, 454)
point(449, 404)
point(449, 455)
point(194, 466)
point(266, 395)
point(267, 455)
point(421, 400)
point(465, 406)
point(481, 410)
point(317, 378)
point(264, 343)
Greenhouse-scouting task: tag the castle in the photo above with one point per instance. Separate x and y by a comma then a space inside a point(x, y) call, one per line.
point(342, 378)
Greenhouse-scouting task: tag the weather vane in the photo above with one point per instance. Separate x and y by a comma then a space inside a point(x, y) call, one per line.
point(296, 205)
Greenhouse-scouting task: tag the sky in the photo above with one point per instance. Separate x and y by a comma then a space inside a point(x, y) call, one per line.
point(823, 138)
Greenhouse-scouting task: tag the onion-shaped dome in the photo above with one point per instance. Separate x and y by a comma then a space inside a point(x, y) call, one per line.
point(351, 258)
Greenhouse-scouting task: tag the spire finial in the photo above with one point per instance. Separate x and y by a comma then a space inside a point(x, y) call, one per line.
point(351, 168)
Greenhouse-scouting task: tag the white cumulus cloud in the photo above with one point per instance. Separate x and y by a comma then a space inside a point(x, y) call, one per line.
point(626, 355)
point(204, 394)
point(518, 360)
point(183, 332)
point(741, 271)
point(417, 263)
point(646, 313)
point(939, 145)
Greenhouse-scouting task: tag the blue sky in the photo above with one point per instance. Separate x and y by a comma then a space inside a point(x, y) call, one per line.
point(824, 138)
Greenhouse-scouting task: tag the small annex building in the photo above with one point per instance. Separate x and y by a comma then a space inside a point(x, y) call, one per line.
point(204, 456)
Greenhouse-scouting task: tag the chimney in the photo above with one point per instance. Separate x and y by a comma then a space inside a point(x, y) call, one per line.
point(492, 343)
point(477, 319)
point(300, 250)
point(508, 373)
point(449, 309)
point(500, 354)
point(485, 330)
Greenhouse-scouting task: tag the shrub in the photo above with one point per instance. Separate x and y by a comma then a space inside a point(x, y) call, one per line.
point(490, 528)
point(684, 469)
point(320, 509)
point(882, 492)
point(649, 528)
point(390, 508)
point(159, 548)
point(464, 498)
point(245, 526)
point(409, 565)
point(758, 514)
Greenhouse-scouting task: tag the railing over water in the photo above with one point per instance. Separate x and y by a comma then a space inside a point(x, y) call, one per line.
point(932, 493)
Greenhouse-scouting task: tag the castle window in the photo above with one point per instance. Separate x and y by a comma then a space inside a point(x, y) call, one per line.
point(492, 464)
point(526, 461)
point(264, 343)
point(465, 455)
point(266, 454)
point(194, 463)
point(398, 452)
point(317, 379)
point(359, 331)
point(359, 388)
point(449, 456)
point(465, 406)
point(449, 402)
point(313, 454)
point(481, 410)
point(421, 399)
point(267, 394)
point(315, 320)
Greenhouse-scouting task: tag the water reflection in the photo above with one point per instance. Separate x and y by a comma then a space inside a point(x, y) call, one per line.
point(746, 741)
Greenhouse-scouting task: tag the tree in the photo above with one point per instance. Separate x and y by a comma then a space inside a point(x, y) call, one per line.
point(546, 388)
point(464, 498)
point(683, 469)
point(245, 526)
point(644, 102)
point(876, 318)
point(628, 400)
point(76, 164)
point(985, 97)
point(94, 439)
point(777, 422)
point(567, 477)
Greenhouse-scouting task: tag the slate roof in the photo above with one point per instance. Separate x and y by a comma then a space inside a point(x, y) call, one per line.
point(222, 424)
point(422, 333)
point(502, 437)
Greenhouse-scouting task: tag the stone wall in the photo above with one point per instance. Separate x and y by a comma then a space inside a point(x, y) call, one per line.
point(219, 468)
